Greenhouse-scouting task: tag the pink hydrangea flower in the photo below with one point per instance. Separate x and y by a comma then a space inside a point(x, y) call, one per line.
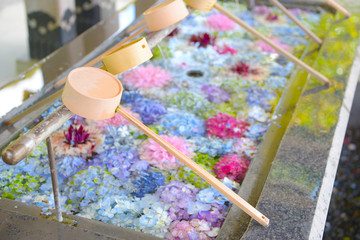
point(266, 48)
point(219, 22)
point(261, 10)
point(189, 230)
point(225, 126)
point(232, 167)
point(156, 155)
point(146, 77)
point(225, 49)
point(117, 120)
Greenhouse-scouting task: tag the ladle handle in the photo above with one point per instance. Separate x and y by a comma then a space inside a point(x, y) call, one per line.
point(338, 7)
point(268, 41)
point(232, 196)
point(25, 144)
point(296, 21)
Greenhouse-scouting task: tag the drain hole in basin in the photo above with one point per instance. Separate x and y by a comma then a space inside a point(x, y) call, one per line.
point(195, 73)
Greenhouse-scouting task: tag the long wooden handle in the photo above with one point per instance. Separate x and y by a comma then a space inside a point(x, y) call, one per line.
point(115, 47)
point(268, 41)
point(338, 7)
point(296, 21)
point(233, 197)
point(25, 144)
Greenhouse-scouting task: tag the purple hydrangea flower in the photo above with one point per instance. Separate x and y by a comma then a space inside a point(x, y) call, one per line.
point(178, 193)
point(215, 94)
point(120, 163)
point(150, 111)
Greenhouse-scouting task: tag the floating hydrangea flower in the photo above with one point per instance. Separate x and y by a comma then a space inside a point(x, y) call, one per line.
point(147, 182)
point(120, 137)
point(246, 146)
point(13, 186)
point(266, 48)
point(69, 165)
point(212, 146)
point(191, 102)
point(183, 124)
point(256, 131)
point(215, 215)
point(261, 10)
point(225, 50)
point(177, 193)
point(275, 82)
point(121, 164)
point(150, 111)
point(225, 126)
point(117, 120)
point(130, 96)
point(231, 166)
point(215, 94)
point(156, 155)
point(259, 96)
point(202, 40)
point(211, 196)
point(146, 77)
point(193, 229)
point(220, 23)
point(258, 114)
point(184, 173)
point(90, 185)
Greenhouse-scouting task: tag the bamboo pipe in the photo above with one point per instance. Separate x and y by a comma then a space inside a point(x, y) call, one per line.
point(296, 21)
point(283, 52)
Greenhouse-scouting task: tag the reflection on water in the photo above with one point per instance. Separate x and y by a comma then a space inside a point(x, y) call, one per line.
point(12, 94)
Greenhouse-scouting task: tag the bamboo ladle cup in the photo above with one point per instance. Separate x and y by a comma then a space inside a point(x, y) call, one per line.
point(207, 5)
point(95, 94)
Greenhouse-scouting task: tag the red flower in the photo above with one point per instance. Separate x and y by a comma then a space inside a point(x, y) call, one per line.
point(204, 40)
point(272, 17)
point(76, 136)
point(243, 69)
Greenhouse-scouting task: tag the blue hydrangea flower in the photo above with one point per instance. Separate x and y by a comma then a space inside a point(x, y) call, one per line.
point(195, 207)
point(183, 124)
point(68, 166)
point(212, 146)
point(150, 111)
point(147, 182)
point(120, 163)
point(259, 96)
point(130, 97)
